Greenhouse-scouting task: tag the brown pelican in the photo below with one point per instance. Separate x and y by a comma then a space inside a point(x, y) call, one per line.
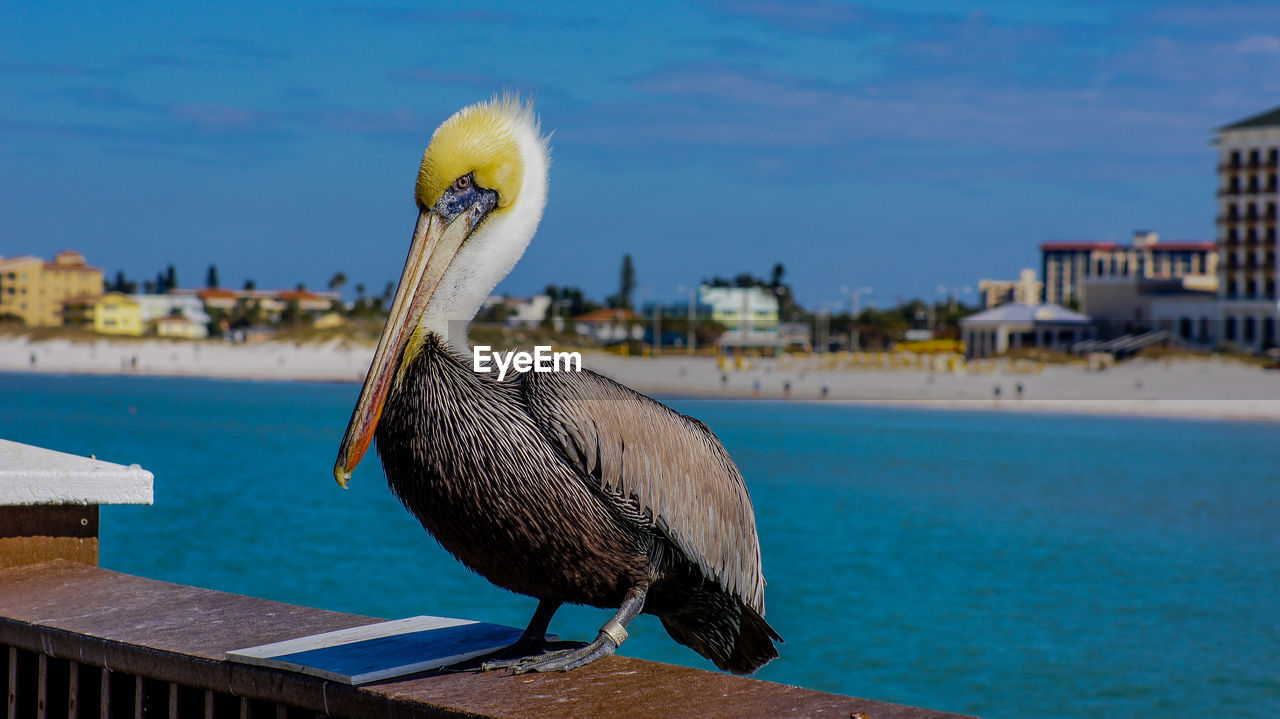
point(566, 487)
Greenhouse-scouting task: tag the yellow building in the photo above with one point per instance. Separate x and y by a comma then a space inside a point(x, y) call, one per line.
point(35, 290)
point(110, 314)
point(117, 314)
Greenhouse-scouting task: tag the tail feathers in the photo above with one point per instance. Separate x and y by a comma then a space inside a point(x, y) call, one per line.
point(754, 647)
point(723, 629)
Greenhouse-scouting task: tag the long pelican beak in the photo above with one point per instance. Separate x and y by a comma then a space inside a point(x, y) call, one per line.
point(435, 244)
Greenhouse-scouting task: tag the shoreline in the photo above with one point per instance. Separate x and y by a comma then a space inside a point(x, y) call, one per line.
point(1206, 389)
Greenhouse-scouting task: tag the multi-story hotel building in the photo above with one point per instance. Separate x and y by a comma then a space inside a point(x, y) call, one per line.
point(1248, 162)
point(1026, 290)
point(34, 290)
point(1067, 266)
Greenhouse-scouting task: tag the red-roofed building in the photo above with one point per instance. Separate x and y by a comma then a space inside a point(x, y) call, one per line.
point(1068, 265)
point(217, 298)
point(307, 300)
point(609, 325)
point(272, 302)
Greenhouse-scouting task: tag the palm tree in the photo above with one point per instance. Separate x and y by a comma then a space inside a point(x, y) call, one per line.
point(337, 281)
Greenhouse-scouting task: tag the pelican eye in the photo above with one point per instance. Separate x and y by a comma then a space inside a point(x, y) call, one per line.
point(465, 194)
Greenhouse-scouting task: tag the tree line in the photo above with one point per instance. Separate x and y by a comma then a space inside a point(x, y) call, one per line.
point(876, 328)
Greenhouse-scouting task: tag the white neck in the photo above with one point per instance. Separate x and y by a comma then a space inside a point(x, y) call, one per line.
point(492, 250)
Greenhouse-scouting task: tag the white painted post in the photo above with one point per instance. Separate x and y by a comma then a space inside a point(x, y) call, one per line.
point(49, 502)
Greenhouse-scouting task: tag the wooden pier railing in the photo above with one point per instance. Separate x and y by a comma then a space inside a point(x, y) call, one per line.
point(79, 641)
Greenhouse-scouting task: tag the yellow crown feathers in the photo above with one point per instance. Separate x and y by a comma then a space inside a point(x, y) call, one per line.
point(479, 139)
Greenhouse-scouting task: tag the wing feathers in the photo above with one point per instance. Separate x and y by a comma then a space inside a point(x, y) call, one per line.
point(671, 465)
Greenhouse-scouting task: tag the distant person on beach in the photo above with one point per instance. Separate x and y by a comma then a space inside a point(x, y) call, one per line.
point(756, 387)
point(786, 388)
point(997, 392)
point(1018, 389)
point(826, 390)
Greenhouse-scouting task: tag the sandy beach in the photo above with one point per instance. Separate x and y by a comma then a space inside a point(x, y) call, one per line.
point(1195, 387)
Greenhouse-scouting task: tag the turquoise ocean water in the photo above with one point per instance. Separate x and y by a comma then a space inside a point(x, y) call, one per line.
point(1001, 564)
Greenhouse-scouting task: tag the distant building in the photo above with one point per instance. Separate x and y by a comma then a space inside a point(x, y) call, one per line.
point(1193, 316)
point(1132, 305)
point(795, 336)
point(78, 311)
point(519, 311)
point(214, 298)
point(310, 302)
point(179, 327)
point(1066, 266)
point(1016, 326)
point(749, 313)
point(110, 314)
point(1248, 162)
point(609, 325)
point(1026, 290)
point(168, 306)
point(34, 290)
point(115, 313)
point(530, 312)
point(272, 303)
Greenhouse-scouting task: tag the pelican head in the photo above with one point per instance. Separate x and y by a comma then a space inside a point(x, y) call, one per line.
point(480, 193)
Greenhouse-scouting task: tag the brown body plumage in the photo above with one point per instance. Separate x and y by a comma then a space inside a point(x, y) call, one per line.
point(535, 499)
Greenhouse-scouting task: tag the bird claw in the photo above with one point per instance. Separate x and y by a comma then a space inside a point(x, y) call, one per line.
point(515, 656)
point(564, 660)
point(537, 663)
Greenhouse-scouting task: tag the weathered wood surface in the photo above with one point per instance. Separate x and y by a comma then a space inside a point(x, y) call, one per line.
point(181, 634)
point(35, 533)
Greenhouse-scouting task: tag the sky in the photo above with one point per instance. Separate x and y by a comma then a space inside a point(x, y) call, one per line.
point(905, 147)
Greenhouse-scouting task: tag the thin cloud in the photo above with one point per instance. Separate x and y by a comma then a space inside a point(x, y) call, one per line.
point(830, 17)
point(431, 76)
point(1259, 44)
point(733, 48)
point(1199, 16)
point(396, 123)
point(239, 48)
point(151, 61)
point(222, 119)
point(919, 128)
point(149, 138)
point(386, 15)
point(99, 97)
point(58, 70)
point(808, 16)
